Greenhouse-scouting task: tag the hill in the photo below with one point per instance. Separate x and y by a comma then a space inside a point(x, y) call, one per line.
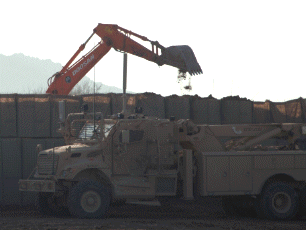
point(27, 75)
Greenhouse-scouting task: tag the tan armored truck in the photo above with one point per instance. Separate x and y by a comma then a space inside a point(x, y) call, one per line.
point(140, 160)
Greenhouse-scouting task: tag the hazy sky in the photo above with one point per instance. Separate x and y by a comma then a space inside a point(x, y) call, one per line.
point(254, 49)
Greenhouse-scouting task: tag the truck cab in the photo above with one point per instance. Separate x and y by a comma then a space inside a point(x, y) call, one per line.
point(132, 158)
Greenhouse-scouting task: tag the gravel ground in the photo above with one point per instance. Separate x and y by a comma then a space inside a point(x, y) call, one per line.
point(207, 216)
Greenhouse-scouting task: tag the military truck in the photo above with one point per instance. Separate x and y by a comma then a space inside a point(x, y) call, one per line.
point(259, 168)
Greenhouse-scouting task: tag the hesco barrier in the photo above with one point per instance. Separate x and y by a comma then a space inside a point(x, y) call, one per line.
point(102, 103)
point(10, 152)
point(8, 125)
point(153, 105)
point(294, 111)
point(261, 112)
point(18, 159)
point(28, 120)
point(235, 110)
point(117, 104)
point(33, 113)
point(205, 110)
point(178, 107)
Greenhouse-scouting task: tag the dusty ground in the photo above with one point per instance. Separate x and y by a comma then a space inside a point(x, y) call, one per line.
point(206, 216)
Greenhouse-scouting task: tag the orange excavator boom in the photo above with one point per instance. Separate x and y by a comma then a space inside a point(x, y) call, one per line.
point(181, 57)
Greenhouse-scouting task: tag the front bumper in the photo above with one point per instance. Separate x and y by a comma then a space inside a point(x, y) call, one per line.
point(37, 185)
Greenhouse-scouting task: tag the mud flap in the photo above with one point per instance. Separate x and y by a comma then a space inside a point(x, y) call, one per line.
point(181, 57)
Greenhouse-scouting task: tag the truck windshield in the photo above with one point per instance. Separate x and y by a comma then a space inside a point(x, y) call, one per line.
point(88, 130)
point(107, 128)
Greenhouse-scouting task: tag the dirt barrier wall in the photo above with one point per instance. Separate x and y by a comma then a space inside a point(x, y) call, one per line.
point(205, 110)
point(28, 120)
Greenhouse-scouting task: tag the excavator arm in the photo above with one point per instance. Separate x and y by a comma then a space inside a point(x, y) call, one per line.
point(181, 57)
point(63, 82)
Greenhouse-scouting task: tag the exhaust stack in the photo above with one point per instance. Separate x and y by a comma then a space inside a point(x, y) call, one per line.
point(62, 115)
point(61, 111)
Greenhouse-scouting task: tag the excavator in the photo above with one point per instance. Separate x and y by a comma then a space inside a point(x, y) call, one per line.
point(114, 36)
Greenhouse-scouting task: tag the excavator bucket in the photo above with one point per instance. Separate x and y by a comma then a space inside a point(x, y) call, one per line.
point(181, 57)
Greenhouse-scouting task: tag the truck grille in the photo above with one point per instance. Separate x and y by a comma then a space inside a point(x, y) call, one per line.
point(45, 164)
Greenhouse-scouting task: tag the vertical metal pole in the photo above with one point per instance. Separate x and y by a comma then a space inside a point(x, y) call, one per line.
point(124, 81)
point(188, 177)
point(53, 160)
point(158, 149)
point(94, 100)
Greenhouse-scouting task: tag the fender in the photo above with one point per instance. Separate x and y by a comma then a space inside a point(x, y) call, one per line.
point(278, 176)
point(70, 171)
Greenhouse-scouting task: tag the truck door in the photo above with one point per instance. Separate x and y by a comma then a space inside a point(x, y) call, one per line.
point(129, 156)
point(160, 146)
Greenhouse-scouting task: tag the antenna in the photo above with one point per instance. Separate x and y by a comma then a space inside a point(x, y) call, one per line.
point(124, 82)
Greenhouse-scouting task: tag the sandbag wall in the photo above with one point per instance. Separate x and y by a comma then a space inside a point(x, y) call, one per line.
point(28, 120)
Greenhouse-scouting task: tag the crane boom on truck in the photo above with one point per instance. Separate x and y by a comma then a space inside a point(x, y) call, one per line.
point(181, 57)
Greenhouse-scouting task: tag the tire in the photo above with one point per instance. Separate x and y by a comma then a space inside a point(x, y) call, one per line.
point(46, 204)
point(278, 201)
point(88, 199)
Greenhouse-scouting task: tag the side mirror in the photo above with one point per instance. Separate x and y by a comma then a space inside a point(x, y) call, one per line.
point(125, 136)
point(39, 148)
point(84, 107)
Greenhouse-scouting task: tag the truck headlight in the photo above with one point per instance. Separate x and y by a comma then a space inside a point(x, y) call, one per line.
point(23, 185)
point(64, 173)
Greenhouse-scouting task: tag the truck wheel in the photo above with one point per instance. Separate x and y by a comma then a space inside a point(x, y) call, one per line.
point(46, 205)
point(229, 206)
point(279, 201)
point(88, 199)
